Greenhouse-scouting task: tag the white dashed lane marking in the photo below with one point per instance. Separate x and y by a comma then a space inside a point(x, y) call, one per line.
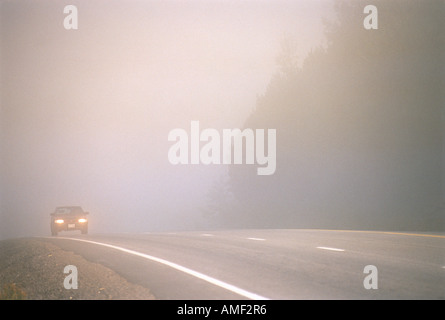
point(257, 239)
point(331, 249)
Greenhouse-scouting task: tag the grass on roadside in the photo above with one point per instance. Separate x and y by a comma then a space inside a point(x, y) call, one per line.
point(11, 291)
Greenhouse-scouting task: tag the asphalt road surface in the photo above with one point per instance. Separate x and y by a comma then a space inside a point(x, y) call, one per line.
point(272, 264)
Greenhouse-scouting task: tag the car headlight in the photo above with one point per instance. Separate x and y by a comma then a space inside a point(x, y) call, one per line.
point(59, 221)
point(82, 220)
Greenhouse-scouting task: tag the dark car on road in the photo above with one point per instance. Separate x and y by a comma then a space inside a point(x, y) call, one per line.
point(68, 219)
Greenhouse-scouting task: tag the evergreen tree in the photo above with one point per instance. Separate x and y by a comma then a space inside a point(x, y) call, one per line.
point(359, 127)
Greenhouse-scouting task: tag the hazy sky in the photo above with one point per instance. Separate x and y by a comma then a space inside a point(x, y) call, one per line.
point(85, 114)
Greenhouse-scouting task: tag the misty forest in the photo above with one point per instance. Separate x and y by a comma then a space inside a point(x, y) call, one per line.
point(360, 129)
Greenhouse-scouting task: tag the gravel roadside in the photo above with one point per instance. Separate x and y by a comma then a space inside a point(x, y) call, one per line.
point(36, 267)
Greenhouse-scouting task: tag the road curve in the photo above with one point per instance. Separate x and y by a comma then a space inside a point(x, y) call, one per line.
point(284, 264)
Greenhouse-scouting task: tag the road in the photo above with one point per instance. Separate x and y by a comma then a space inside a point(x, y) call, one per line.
point(272, 264)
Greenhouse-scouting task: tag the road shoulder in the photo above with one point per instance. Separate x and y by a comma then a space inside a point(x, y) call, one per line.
point(36, 267)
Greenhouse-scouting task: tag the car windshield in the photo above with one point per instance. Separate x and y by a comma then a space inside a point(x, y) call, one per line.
point(69, 210)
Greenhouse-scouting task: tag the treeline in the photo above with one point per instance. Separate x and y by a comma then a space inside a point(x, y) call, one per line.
point(359, 129)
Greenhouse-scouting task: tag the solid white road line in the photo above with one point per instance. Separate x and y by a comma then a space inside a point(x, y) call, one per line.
point(331, 249)
point(173, 265)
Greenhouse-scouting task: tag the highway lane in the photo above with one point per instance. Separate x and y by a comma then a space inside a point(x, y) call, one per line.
point(272, 264)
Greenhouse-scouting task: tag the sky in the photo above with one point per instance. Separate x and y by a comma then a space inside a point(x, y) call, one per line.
point(85, 114)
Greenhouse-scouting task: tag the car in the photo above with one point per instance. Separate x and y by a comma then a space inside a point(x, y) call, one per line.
point(68, 219)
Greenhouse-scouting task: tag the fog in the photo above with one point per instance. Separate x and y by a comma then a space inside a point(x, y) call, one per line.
point(85, 114)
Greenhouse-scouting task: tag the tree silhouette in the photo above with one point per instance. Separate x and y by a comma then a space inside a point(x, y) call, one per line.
point(359, 127)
